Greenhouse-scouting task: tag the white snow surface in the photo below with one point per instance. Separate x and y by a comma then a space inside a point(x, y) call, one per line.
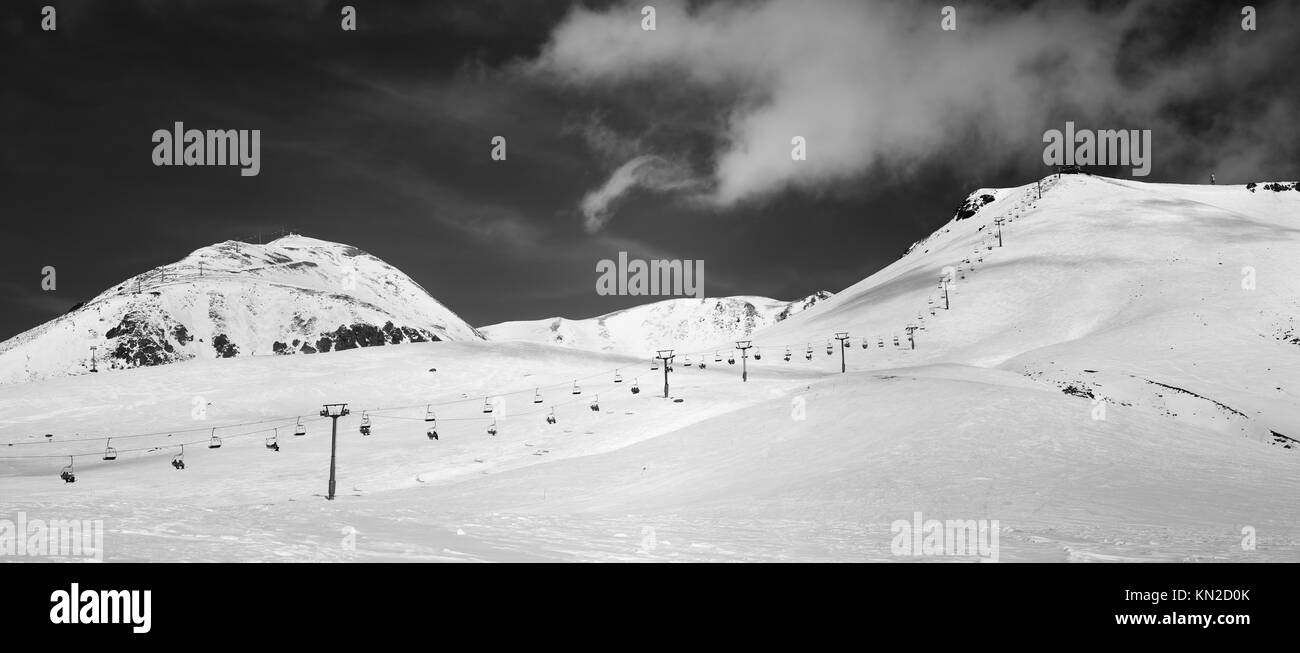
point(1131, 292)
point(291, 289)
point(690, 324)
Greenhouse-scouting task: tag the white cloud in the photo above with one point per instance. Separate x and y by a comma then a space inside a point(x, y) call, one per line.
point(873, 87)
point(646, 171)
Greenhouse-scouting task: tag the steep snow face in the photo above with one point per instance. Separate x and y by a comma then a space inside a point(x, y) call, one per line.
point(1184, 299)
point(672, 323)
point(293, 295)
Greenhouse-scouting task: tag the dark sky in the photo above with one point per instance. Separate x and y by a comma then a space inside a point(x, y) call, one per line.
point(618, 139)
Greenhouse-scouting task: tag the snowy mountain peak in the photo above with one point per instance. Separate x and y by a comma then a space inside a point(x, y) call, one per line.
point(293, 295)
point(687, 324)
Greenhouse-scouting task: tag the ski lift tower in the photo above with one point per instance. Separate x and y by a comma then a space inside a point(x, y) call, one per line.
point(665, 355)
point(743, 346)
point(999, 222)
point(911, 339)
point(943, 283)
point(842, 336)
point(334, 412)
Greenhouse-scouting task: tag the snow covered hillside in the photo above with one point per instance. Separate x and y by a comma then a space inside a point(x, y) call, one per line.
point(689, 323)
point(1116, 382)
point(1181, 298)
point(290, 296)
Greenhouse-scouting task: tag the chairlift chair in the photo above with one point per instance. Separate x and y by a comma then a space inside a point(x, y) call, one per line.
point(487, 406)
point(595, 404)
point(618, 378)
point(432, 433)
point(214, 442)
point(68, 474)
point(717, 358)
point(273, 442)
point(492, 430)
point(636, 389)
point(550, 418)
point(365, 423)
point(537, 396)
point(758, 354)
point(654, 364)
point(300, 429)
point(178, 461)
point(576, 389)
point(880, 342)
point(787, 354)
point(428, 413)
point(109, 452)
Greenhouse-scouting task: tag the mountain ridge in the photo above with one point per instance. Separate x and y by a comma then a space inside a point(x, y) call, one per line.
point(679, 323)
point(295, 294)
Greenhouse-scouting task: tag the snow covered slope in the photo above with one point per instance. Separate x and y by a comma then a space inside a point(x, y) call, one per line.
point(292, 295)
point(1112, 384)
point(681, 323)
point(1184, 298)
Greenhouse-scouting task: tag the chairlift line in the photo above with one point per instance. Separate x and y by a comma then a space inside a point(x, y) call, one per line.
point(215, 442)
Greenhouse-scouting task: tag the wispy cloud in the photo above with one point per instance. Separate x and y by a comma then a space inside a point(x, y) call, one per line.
point(647, 171)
